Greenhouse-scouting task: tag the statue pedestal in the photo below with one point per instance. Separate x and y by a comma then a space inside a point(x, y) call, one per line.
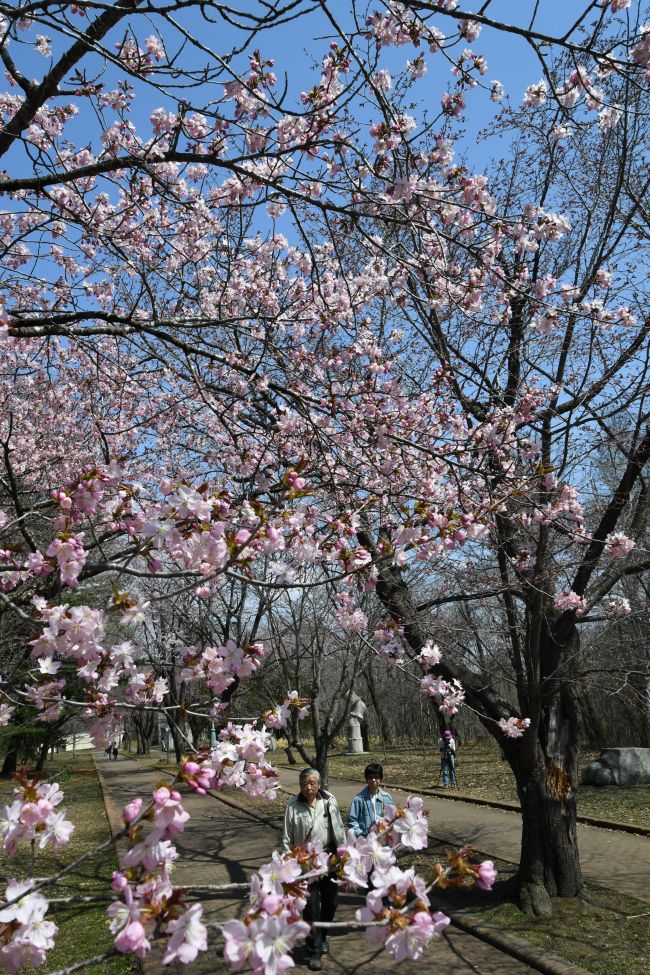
point(355, 746)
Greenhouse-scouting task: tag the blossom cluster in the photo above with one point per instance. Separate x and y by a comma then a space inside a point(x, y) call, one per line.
point(239, 760)
point(279, 717)
point(387, 640)
point(397, 904)
point(32, 816)
point(145, 898)
point(273, 925)
point(220, 666)
point(569, 601)
point(619, 545)
point(397, 907)
point(514, 727)
point(25, 935)
point(618, 608)
point(77, 634)
point(450, 692)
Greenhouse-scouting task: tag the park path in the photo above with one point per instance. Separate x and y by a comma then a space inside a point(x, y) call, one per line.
point(223, 845)
point(617, 860)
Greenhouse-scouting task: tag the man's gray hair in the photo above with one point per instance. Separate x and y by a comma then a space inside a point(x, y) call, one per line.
point(307, 774)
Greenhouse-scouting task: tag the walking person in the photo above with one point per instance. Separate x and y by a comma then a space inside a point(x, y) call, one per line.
point(447, 749)
point(314, 815)
point(369, 804)
point(114, 751)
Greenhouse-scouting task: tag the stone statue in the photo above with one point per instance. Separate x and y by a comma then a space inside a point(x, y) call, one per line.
point(357, 742)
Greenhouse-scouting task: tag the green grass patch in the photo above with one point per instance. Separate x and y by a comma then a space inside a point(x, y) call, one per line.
point(483, 774)
point(83, 929)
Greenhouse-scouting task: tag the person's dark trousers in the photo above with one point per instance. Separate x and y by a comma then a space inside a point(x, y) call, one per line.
point(321, 906)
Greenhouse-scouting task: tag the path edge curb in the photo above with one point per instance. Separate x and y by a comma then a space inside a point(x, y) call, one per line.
point(114, 820)
point(510, 807)
point(519, 948)
point(113, 815)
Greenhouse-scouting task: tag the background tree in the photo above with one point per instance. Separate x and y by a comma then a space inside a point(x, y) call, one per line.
point(322, 664)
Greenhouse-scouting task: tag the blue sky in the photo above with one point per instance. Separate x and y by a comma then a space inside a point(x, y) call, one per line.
point(296, 46)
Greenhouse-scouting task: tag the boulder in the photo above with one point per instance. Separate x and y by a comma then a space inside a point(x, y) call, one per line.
point(619, 766)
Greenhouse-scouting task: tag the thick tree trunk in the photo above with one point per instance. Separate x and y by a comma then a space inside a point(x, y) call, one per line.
point(549, 864)
point(42, 754)
point(177, 740)
point(10, 764)
point(384, 724)
point(322, 757)
point(544, 761)
point(546, 771)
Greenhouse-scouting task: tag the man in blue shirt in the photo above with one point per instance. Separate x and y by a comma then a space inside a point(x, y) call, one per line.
point(369, 804)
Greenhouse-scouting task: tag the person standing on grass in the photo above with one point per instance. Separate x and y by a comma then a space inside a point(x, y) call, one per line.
point(314, 815)
point(447, 749)
point(369, 804)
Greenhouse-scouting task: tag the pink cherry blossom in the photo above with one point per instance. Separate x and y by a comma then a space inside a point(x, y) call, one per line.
point(132, 810)
point(619, 607)
point(570, 601)
point(411, 829)
point(619, 545)
point(486, 875)
point(188, 937)
point(199, 777)
point(132, 939)
point(28, 936)
point(411, 940)
point(430, 656)
point(513, 727)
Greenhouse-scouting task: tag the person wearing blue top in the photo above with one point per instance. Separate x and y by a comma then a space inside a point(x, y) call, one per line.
point(447, 748)
point(369, 804)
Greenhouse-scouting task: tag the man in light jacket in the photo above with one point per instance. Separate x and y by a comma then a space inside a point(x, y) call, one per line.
point(369, 804)
point(314, 815)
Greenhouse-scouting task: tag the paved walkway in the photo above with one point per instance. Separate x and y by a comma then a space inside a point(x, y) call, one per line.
point(617, 860)
point(221, 845)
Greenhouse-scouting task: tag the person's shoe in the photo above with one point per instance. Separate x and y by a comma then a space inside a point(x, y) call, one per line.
point(314, 964)
point(325, 949)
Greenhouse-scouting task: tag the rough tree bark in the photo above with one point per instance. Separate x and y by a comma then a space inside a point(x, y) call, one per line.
point(9, 764)
point(545, 766)
point(384, 724)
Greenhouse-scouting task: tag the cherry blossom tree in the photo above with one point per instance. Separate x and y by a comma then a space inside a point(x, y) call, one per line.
point(558, 551)
point(287, 341)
